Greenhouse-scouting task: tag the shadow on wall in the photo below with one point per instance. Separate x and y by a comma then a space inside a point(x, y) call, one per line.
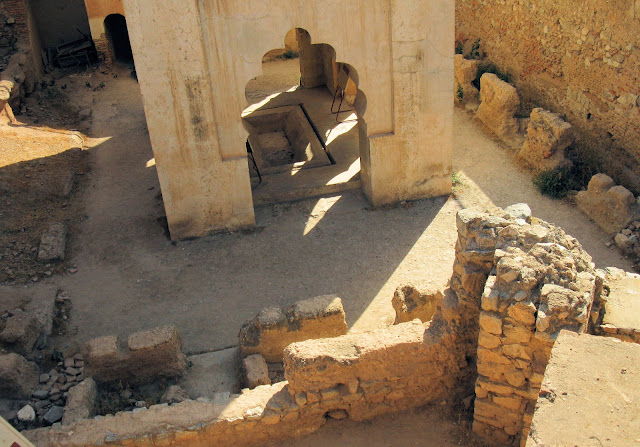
point(115, 26)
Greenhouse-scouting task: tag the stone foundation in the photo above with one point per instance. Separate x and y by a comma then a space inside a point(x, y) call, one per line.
point(147, 356)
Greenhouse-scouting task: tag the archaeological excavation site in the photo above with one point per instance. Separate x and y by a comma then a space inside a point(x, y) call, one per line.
point(314, 223)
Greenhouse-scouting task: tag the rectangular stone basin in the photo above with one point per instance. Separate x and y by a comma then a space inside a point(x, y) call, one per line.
point(282, 140)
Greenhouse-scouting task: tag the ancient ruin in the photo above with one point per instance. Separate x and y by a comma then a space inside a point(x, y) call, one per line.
point(317, 223)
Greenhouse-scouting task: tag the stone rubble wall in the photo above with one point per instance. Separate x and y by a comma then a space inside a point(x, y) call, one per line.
point(20, 61)
point(578, 59)
point(358, 376)
point(538, 281)
point(377, 372)
point(517, 282)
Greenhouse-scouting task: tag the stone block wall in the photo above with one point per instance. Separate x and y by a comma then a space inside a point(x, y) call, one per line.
point(377, 372)
point(579, 59)
point(273, 329)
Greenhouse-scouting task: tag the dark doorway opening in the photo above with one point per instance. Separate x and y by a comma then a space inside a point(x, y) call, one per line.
point(116, 29)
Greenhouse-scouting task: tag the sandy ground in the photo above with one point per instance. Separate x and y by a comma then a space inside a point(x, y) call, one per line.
point(419, 428)
point(132, 277)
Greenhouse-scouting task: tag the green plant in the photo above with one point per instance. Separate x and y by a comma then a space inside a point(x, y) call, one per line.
point(460, 93)
point(456, 180)
point(289, 54)
point(475, 50)
point(459, 47)
point(555, 183)
point(491, 68)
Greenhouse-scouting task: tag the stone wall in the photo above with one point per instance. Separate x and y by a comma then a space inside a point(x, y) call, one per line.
point(543, 282)
point(577, 58)
point(20, 61)
point(358, 376)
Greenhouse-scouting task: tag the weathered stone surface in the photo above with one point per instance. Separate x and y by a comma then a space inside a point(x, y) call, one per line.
point(610, 207)
point(519, 211)
point(619, 312)
point(22, 330)
point(464, 72)
point(148, 355)
point(588, 378)
point(54, 414)
point(53, 243)
point(156, 353)
point(212, 373)
point(256, 371)
point(395, 365)
point(547, 138)
point(81, 402)
point(544, 282)
point(18, 376)
point(273, 329)
point(411, 303)
point(26, 414)
point(174, 395)
point(499, 105)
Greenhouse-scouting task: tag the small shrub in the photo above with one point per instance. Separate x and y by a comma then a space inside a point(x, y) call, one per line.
point(491, 68)
point(459, 47)
point(475, 50)
point(460, 93)
point(555, 183)
point(289, 54)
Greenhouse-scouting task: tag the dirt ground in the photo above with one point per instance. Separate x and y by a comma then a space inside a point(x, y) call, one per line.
point(130, 276)
point(422, 427)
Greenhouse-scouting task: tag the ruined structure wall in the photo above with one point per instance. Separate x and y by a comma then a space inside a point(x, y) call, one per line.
point(357, 375)
point(97, 11)
point(577, 58)
point(194, 59)
point(20, 62)
point(60, 21)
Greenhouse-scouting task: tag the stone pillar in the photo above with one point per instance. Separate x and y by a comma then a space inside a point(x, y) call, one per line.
point(311, 69)
point(534, 295)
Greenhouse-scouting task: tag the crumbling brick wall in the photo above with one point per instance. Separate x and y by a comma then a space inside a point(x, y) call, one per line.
point(12, 26)
point(577, 59)
point(19, 48)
